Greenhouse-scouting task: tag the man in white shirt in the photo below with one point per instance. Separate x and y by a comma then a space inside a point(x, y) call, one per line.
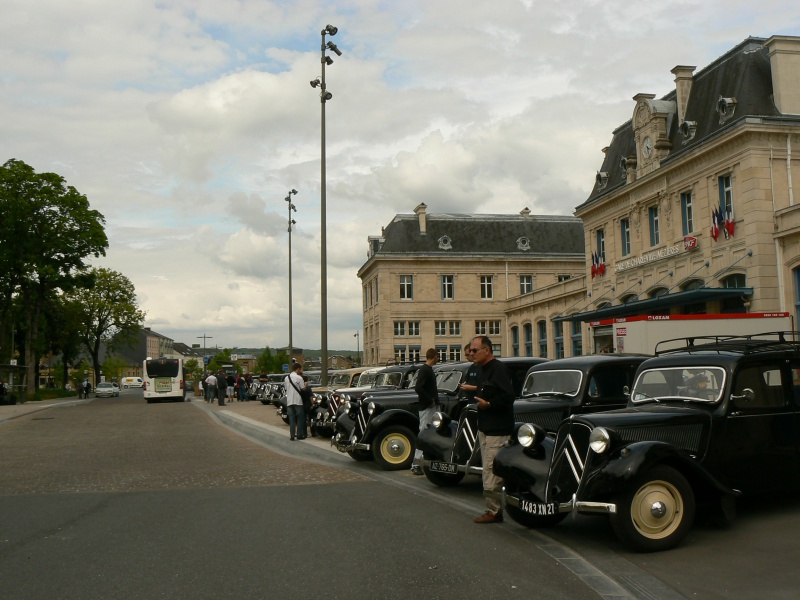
point(211, 388)
point(293, 383)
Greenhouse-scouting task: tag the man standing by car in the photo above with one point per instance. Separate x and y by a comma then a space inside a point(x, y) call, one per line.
point(211, 388)
point(428, 396)
point(294, 384)
point(495, 421)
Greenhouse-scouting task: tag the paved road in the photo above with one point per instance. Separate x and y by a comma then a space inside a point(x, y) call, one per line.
point(381, 516)
point(116, 498)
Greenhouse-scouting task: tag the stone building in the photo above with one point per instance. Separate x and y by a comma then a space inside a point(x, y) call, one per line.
point(692, 211)
point(437, 280)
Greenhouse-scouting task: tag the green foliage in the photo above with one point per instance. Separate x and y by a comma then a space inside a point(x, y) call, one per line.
point(113, 368)
point(268, 363)
point(47, 231)
point(222, 358)
point(192, 366)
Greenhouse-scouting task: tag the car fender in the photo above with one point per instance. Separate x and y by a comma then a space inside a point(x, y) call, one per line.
point(437, 444)
point(390, 417)
point(345, 424)
point(619, 471)
point(525, 470)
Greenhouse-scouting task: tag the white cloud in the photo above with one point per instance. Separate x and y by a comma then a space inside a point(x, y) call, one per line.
point(185, 123)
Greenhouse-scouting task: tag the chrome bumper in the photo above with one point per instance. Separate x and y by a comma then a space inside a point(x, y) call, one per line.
point(574, 506)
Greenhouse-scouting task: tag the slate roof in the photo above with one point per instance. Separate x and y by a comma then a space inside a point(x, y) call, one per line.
point(742, 73)
point(484, 235)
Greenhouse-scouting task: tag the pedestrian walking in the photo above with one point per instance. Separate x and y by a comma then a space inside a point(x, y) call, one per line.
point(495, 421)
point(231, 381)
point(293, 383)
point(428, 400)
point(222, 388)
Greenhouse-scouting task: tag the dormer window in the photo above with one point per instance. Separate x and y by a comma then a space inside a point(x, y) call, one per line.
point(445, 243)
point(725, 108)
point(688, 129)
point(523, 244)
point(601, 179)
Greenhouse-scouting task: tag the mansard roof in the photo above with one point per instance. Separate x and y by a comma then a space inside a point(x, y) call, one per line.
point(460, 235)
point(743, 73)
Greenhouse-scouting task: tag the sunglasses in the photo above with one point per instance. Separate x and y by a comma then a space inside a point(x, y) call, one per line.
point(474, 350)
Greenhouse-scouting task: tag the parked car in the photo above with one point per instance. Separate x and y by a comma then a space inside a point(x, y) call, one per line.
point(326, 407)
point(384, 426)
point(345, 378)
point(106, 389)
point(709, 419)
point(552, 391)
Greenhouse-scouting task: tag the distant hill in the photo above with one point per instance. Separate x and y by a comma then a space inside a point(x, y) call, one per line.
point(306, 352)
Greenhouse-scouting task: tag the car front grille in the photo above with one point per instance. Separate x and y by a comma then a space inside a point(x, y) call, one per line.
point(467, 437)
point(569, 461)
point(549, 420)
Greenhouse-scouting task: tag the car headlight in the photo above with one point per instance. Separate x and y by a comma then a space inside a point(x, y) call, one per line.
point(371, 408)
point(440, 420)
point(348, 406)
point(528, 435)
point(599, 440)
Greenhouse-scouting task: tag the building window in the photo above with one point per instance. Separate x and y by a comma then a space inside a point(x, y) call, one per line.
point(561, 278)
point(497, 350)
point(625, 236)
point(726, 197)
point(687, 213)
point(494, 327)
point(528, 329)
point(655, 234)
point(448, 287)
point(480, 328)
point(525, 284)
point(407, 287)
point(601, 245)
point(558, 339)
point(515, 341)
point(413, 353)
point(376, 290)
point(455, 327)
point(399, 328)
point(400, 354)
point(577, 339)
point(413, 328)
point(455, 354)
point(370, 293)
point(486, 287)
point(442, 350)
point(738, 280)
point(440, 328)
point(541, 328)
point(365, 297)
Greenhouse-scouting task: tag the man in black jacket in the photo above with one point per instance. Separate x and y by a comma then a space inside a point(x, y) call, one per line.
point(495, 421)
point(428, 395)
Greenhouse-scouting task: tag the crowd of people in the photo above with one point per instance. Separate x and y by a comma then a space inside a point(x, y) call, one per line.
point(225, 387)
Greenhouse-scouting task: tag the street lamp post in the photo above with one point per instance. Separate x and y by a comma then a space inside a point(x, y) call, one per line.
point(324, 96)
point(358, 348)
point(205, 337)
point(292, 207)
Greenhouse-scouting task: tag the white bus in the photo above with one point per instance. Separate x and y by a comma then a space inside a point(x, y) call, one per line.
point(163, 380)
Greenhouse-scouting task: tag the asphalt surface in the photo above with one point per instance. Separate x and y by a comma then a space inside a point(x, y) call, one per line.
point(322, 509)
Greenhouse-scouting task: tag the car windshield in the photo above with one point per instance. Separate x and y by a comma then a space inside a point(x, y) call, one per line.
point(340, 379)
point(367, 379)
point(386, 379)
point(554, 383)
point(104, 385)
point(447, 381)
point(695, 384)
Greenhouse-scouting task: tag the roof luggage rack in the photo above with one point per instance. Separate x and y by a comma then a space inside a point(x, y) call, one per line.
point(772, 341)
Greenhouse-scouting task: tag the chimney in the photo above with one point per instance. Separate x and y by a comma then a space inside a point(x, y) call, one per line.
point(420, 210)
point(525, 211)
point(784, 61)
point(683, 85)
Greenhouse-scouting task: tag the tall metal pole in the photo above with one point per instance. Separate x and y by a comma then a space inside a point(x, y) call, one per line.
point(358, 348)
point(324, 234)
point(291, 208)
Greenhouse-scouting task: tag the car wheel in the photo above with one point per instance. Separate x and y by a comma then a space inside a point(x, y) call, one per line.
point(534, 521)
point(393, 448)
point(656, 512)
point(360, 455)
point(442, 479)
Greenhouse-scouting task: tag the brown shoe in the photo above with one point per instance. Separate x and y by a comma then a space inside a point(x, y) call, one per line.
point(490, 517)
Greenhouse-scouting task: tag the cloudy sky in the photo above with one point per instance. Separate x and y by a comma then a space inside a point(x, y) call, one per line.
point(186, 123)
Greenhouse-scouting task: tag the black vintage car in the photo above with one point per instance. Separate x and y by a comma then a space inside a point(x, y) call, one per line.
point(553, 390)
point(326, 407)
point(709, 419)
point(384, 426)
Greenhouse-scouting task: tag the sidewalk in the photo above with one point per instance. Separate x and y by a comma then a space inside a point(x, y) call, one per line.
point(8, 412)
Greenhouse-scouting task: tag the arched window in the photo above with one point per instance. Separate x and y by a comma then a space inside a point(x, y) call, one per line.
point(515, 341)
point(528, 329)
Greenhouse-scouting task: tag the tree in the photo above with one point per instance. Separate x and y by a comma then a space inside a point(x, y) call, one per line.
point(113, 367)
point(47, 230)
point(272, 364)
point(108, 313)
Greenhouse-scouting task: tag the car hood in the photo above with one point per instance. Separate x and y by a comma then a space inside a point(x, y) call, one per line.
point(649, 415)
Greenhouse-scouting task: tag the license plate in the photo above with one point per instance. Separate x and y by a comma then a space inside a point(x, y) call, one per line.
point(163, 385)
point(541, 509)
point(443, 467)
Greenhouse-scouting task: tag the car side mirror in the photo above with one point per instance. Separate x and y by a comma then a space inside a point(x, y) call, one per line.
point(748, 395)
